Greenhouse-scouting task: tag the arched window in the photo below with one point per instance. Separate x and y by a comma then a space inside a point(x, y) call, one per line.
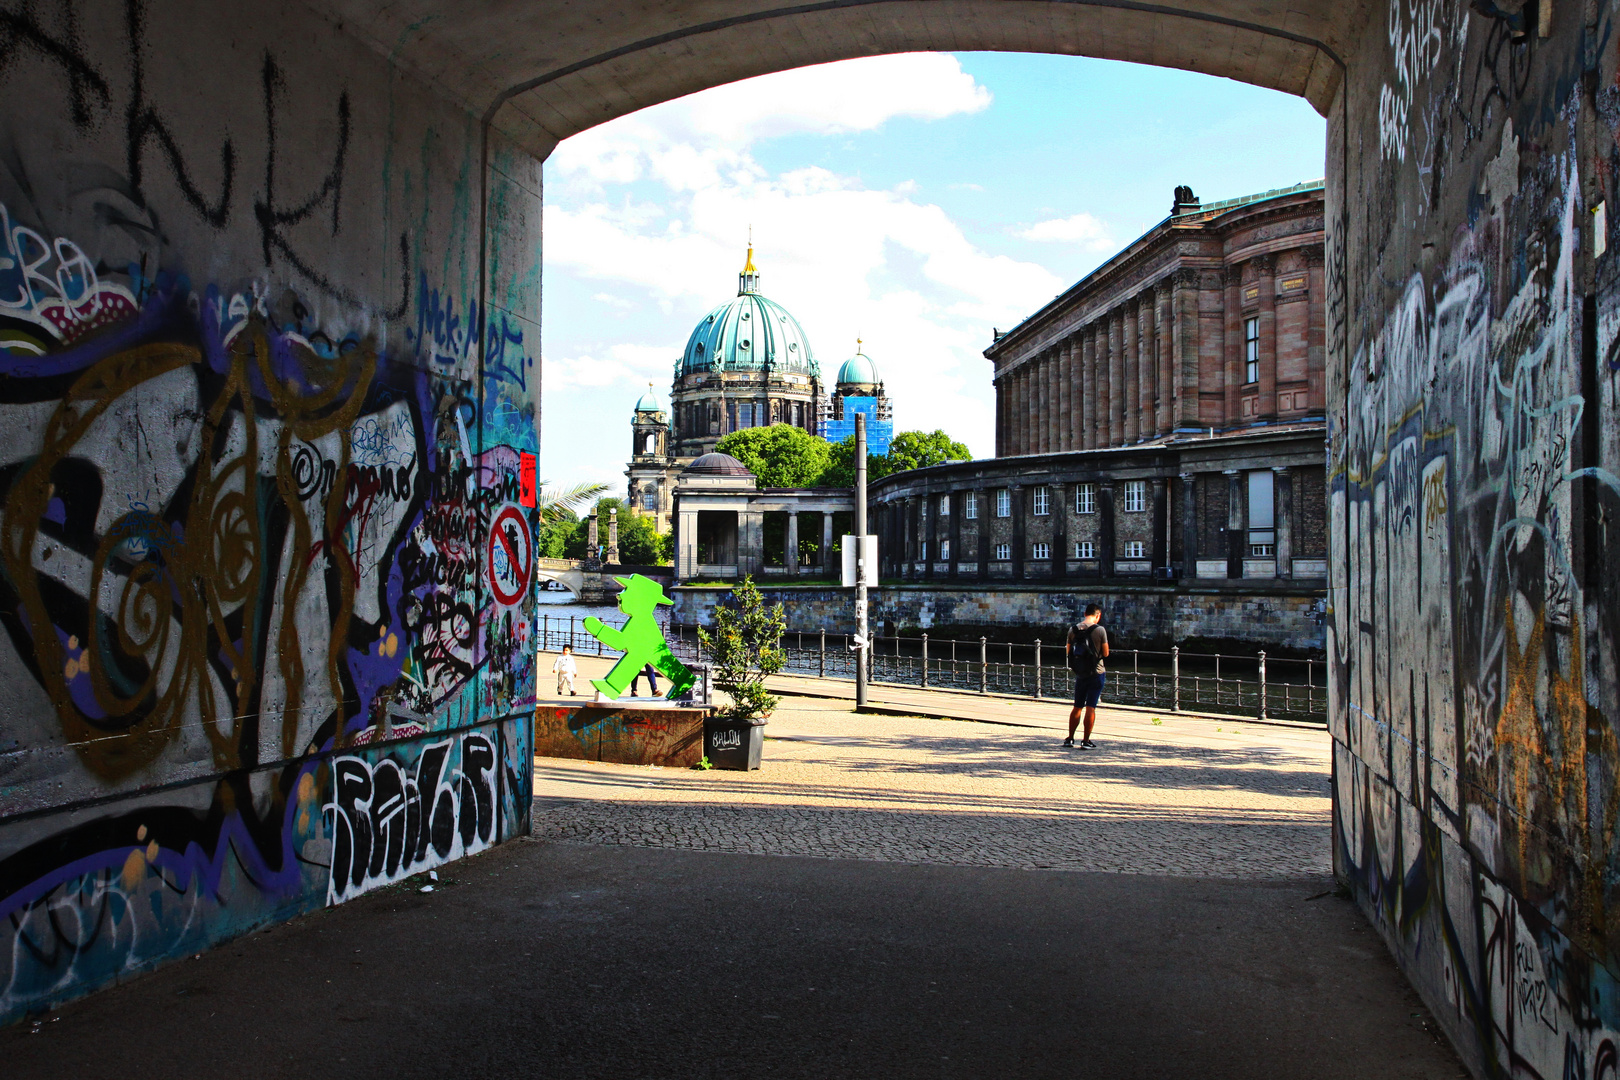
point(652, 444)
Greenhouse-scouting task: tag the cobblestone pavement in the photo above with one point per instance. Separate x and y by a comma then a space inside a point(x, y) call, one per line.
point(1183, 796)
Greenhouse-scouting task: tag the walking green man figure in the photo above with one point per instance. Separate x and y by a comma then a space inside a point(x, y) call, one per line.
point(641, 640)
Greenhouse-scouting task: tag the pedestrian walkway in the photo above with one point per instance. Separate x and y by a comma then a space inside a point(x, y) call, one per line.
point(1180, 797)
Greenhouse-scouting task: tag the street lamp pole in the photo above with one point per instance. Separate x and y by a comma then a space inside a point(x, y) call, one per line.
point(862, 642)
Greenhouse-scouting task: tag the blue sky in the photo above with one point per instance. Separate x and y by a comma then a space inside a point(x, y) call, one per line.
point(915, 201)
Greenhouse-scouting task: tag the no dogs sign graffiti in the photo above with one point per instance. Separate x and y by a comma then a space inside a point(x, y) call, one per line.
point(511, 556)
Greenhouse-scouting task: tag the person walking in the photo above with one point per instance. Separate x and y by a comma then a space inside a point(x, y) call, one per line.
point(652, 681)
point(1086, 649)
point(566, 669)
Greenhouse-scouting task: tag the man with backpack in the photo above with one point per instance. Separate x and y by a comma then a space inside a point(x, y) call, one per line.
point(1086, 648)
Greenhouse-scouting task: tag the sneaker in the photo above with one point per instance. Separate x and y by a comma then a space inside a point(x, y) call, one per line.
point(1087, 744)
point(1069, 741)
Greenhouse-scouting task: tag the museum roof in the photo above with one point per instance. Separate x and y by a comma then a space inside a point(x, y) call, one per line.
point(1190, 214)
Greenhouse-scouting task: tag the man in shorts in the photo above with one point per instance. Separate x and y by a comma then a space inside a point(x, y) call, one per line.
point(1086, 649)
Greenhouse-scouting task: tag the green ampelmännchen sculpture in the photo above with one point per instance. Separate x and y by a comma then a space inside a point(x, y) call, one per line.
point(641, 640)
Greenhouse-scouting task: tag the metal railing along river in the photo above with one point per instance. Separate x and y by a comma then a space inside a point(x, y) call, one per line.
point(1251, 685)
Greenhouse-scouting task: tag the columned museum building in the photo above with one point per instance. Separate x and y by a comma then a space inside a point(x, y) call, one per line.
point(1159, 424)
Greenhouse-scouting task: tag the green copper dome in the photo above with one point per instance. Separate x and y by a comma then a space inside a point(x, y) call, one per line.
point(858, 369)
point(749, 333)
point(648, 402)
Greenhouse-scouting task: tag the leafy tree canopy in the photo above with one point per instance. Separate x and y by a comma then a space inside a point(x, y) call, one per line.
point(780, 455)
point(639, 542)
point(785, 456)
point(918, 450)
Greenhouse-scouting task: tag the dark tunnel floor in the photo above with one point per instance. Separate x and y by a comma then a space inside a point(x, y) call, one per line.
point(555, 960)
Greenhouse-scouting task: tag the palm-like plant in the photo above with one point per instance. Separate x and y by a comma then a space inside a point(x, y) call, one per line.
point(557, 505)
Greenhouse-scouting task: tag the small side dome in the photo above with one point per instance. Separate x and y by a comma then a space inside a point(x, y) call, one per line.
point(858, 370)
point(717, 465)
point(649, 401)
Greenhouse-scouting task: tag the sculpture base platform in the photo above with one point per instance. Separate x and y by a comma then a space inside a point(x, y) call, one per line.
point(624, 732)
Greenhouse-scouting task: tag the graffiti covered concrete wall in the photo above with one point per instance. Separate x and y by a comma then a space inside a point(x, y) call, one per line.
point(1473, 492)
point(267, 432)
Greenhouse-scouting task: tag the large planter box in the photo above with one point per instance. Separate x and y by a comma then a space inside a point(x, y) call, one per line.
point(733, 744)
point(626, 736)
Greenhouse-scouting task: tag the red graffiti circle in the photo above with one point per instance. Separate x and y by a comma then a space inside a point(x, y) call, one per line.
point(511, 556)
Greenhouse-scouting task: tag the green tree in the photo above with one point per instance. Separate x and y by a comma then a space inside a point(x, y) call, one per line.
point(745, 649)
point(918, 450)
point(780, 455)
point(841, 468)
point(639, 542)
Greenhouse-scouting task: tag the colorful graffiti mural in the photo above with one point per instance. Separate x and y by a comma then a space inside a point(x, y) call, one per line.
point(266, 579)
point(1473, 479)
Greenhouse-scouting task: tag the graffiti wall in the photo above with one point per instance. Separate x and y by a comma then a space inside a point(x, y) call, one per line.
point(1475, 504)
point(268, 426)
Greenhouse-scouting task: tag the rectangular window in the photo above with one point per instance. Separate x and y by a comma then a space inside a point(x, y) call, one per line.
point(944, 506)
point(1085, 498)
point(1043, 501)
point(945, 550)
point(970, 505)
point(1262, 515)
point(1003, 552)
point(922, 552)
point(1085, 549)
point(1135, 496)
point(649, 499)
point(1251, 349)
point(1135, 549)
point(1041, 551)
point(1003, 503)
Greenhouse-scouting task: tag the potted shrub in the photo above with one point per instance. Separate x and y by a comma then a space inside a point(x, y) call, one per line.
point(744, 649)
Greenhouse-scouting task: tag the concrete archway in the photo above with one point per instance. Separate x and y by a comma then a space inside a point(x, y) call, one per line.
point(176, 215)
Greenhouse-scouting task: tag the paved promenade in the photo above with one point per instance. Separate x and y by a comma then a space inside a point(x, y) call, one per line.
point(1187, 796)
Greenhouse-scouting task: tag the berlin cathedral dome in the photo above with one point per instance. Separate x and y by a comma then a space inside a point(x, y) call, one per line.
point(749, 334)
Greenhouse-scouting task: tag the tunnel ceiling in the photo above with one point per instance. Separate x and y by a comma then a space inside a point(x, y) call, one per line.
point(547, 69)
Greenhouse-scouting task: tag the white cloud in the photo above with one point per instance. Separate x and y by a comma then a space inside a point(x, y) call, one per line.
point(700, 137)
point(1082, 229)
point(659, 202)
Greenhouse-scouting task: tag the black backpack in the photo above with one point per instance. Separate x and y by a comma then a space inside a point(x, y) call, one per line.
point(1082, 658)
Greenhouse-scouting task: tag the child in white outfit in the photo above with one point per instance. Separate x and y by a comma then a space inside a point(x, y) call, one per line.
point(566, 669)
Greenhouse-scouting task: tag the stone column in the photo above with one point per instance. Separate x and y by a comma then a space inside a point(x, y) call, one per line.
point(790, 557)
point(1106, 548)
point(827, 544)
point(1019, 530)
point(1158, 525)
point(1184, 348)
point(1237, 523)
point(1130, 343)
point(956, 533)
point(1001, 424)
point(1088, 387)
point(1115, 428)
point(1051, 412)
point(1071, 395)
point(686, 545)
point(982, 546)
point(1189, 527)
point(1234, 376)
point(1282, 503)
point(1266, 405)
point(1043, 403)
point(1316, 338)
point(593, 543)
point(1061, 505)
point(1147, 366)
point(930, 509)
point(1168, 390)
point(1021, 411)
